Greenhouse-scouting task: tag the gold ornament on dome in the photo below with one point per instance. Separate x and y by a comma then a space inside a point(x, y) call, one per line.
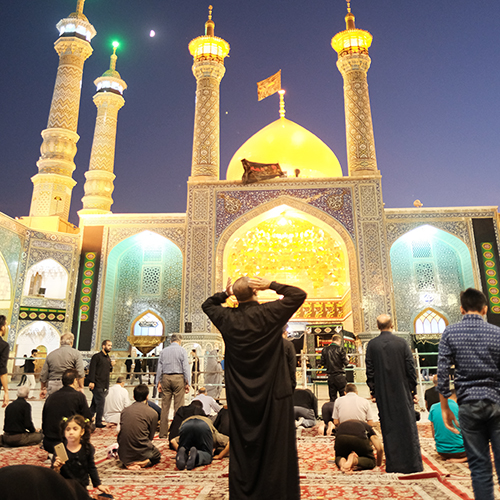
point(291, 250)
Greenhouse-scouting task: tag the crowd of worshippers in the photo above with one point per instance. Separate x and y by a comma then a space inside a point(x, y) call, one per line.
point(260, 380)
point(199, 432)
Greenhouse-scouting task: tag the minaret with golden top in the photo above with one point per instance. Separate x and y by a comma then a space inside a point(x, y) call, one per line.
point(208, 53)
point(353, 62)
point(99, 178)
point(53, 184)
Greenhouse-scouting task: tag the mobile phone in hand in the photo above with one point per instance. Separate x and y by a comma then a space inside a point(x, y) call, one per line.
point(61, 452)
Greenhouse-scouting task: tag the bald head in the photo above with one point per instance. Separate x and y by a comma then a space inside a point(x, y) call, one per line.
point(384, 322)
point(242, 290)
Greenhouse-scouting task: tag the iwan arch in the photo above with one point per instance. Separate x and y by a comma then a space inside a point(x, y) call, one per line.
point(123, 267)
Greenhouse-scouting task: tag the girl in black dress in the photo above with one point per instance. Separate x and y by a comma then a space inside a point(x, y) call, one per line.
point(75, 432)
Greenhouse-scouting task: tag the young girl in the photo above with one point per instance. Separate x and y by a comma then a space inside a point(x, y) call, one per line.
point(75, 432)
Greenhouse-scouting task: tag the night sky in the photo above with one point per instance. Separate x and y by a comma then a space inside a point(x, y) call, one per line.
point(434, 84)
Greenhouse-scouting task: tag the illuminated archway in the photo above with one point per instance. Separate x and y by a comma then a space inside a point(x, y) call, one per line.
point(47, 278)
point(143, 273)
point(289, 245)
point(148, 323)
point(430, 268)
point(34, 335)
point(430, 321)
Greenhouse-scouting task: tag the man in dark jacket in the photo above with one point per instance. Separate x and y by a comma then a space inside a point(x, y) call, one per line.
point(18, 427)
point(263, 461)
point(100, 368)
point(334, 359)
point(65, 402)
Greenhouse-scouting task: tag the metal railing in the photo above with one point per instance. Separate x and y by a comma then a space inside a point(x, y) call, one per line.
point(307, 375)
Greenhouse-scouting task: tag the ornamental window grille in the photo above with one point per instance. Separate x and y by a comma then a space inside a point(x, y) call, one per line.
point(430, 321)
point(421, 249)
point(424, 273)
point(151, 280)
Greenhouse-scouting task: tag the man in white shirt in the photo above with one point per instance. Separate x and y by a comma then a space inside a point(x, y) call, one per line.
point(352, 407)
point(116, 401)
point(210, 406)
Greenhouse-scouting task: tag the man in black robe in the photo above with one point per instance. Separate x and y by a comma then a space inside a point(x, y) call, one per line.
point(392, 379)
point(263, 459)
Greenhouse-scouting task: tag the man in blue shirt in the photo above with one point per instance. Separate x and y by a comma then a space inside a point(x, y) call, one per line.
point(448, 444)
point(473, 346)
point(173, 379)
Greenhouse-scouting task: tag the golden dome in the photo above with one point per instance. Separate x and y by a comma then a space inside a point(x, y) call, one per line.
point(292, 146)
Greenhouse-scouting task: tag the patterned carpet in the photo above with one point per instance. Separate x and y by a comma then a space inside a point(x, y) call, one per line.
point(319, 477)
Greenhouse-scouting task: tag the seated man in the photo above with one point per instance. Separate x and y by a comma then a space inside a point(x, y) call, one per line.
point(448, 444)
point(210, 406)
point(18, 427)
point(138, 424)
point(431, 395)
point(116, 401)
point(184, 412)
point(305, 407)
point(65, 402)
point(201, 438)
point(352, 407)
point(353, 446)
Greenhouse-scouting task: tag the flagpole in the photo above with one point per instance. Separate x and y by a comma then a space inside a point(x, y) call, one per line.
point(78, 328)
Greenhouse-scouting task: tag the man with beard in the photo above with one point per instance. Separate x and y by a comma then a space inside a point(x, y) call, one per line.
point(263, 459)
point(100, 368)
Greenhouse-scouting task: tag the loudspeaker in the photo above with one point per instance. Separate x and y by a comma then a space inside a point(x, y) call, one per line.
point(188, 327)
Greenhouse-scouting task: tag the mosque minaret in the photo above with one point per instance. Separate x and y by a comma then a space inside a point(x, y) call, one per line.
point(99, 178)
point(208, 52)
point(53, 184)
point(353, 62)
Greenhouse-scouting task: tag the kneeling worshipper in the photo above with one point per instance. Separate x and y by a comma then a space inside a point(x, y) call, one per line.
point(196, 443)
point(448, 444)
point(353, 446)
point(138, 424)
point(183, 413)
point(18, 426)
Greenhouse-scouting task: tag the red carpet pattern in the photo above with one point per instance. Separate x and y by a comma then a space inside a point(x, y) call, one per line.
point(320, 478)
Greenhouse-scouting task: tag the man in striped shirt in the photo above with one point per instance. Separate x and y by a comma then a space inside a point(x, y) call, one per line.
point(473, 346)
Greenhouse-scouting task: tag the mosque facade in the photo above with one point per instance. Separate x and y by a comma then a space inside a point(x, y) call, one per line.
point(137, 278)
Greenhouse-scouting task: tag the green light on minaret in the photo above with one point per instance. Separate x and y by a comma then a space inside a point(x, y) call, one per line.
point(116, 45)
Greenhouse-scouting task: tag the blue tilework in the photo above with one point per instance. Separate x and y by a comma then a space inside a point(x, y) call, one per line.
point(244, 201)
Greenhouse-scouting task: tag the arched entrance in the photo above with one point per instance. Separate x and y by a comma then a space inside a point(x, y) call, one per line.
point(143, 273)
point(430, 268)
point(290, 245)
point(39, 335)
point(46, 278)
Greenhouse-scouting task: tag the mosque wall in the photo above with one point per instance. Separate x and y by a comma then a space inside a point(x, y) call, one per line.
point(352, 206)
point(124, 274)
point(433, 258)
point(24, 249)
point(12, 242)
